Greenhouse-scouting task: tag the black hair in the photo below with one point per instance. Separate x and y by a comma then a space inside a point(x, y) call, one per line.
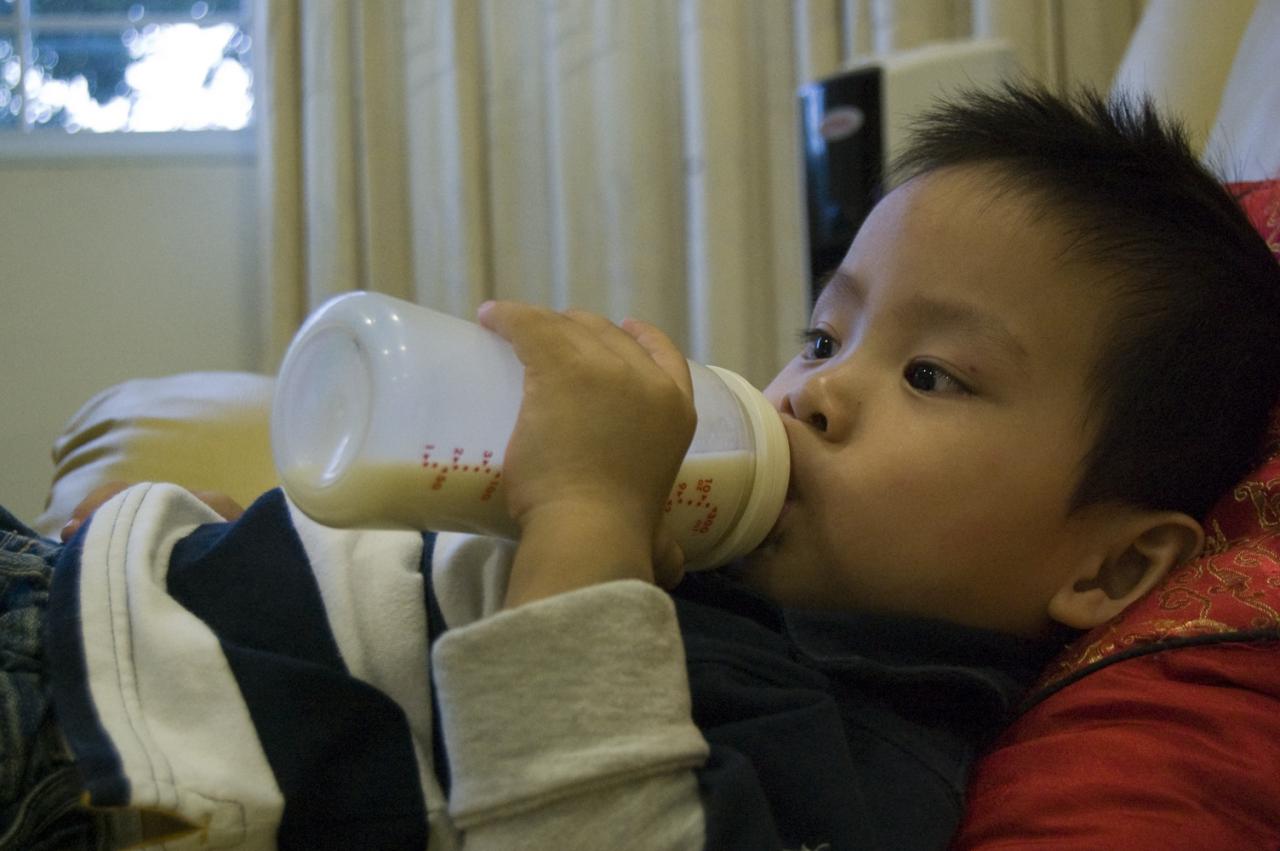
point(1182, 390)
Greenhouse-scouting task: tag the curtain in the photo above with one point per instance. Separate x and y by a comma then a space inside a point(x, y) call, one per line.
point(632, 157)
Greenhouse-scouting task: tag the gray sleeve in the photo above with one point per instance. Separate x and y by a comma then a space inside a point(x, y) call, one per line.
point(567, 723)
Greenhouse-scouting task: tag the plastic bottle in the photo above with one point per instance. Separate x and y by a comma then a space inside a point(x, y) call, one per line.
point(391, 415)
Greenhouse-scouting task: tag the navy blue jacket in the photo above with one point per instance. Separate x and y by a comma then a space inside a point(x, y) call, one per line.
point(857, 730)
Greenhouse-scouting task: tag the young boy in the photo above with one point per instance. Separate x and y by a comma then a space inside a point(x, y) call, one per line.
point(1047, 353)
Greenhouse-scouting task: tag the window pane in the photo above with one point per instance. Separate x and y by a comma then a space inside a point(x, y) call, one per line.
point(159, 77)
point(6, 9)
point(133, 8)
point(10, 71)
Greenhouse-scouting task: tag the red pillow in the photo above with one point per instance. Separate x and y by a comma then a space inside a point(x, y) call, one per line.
point(1161, 729)
point(1261, 201)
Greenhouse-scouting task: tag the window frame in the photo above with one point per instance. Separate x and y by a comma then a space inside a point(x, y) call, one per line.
point(29, 142)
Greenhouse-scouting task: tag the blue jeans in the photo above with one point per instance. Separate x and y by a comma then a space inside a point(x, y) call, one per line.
point(40, 788)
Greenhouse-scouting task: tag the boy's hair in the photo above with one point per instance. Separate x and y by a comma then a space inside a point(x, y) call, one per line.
point(1190, 367)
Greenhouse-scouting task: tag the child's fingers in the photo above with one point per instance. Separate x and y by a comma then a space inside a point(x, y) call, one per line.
point(662, 350)
point(540, 335)
point(604, 332)
point(668, 562)
point(594, 323)
point(91, 503)
point(636, 338)
point(536, 331)
point(227, 508)
point(525, 326)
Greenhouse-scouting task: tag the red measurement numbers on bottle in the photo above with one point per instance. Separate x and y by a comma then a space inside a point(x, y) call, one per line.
point(699, 497)
point(455, 462)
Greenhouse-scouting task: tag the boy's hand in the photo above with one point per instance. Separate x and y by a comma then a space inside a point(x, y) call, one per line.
point(219, 502)
point(606, 418)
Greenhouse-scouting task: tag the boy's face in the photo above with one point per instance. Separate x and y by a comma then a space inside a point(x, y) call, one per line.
point(937, 416)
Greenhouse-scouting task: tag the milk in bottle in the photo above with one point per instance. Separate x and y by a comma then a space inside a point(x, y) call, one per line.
point(391, 415)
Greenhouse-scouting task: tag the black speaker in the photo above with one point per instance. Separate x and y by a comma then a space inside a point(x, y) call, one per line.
point(852, 124)
point(843, 143)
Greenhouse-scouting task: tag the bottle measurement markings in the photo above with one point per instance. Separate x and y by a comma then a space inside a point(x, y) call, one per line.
point(700, 498)
point(454, 463)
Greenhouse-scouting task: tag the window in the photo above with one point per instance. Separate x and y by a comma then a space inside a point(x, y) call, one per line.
point(121, 67)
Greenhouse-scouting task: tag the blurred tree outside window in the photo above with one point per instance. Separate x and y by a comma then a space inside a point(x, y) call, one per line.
point(107, 66)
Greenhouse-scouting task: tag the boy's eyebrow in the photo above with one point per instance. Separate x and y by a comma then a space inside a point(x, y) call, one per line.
point(965, 318)
point(934, 314)
point(838, 280)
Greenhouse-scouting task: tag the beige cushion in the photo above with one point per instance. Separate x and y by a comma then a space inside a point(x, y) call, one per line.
point(201, 430)
point(1180, 55)
point(1245, 143)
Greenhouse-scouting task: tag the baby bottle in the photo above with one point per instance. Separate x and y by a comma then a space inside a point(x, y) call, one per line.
point(391, 415)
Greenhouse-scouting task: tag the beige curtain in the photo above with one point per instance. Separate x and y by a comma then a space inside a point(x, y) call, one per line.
point(332, 157)
point(633, 157)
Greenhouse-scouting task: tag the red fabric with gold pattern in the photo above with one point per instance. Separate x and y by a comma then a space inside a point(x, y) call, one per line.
point(1232, 587)
point(1160, 729)
point(1261, 201)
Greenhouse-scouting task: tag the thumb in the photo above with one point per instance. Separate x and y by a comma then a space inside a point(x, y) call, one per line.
point(668, 562)
point(91, 503)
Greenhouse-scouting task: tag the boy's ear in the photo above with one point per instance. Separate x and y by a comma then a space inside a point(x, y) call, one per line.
point(1141, 548)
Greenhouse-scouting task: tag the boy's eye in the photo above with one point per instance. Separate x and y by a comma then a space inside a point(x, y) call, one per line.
point(818, 344)
point(930, 378)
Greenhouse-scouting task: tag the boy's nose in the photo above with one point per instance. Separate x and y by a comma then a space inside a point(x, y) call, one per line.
point(809, 403)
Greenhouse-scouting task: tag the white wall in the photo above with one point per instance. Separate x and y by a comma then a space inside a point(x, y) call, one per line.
point(114, 269)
